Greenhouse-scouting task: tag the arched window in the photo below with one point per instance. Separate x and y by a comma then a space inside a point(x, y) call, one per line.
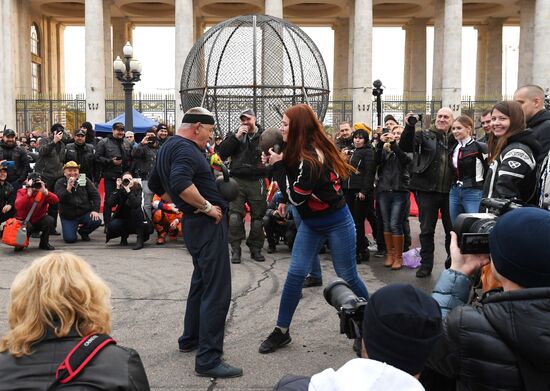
point(36, 65)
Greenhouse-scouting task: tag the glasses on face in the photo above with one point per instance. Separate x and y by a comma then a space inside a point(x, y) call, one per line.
point(80, 135)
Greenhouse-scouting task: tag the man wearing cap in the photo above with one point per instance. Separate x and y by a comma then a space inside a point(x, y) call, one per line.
point(40, 220)
point(243, 147)
point(82, 153)
point(114, 156)
point(162, 134)
point(182, 175)
point(130, 137)
point(11, 152)
point(79, 203)
point(401, 325)
point(7, 195)
point(502, 342)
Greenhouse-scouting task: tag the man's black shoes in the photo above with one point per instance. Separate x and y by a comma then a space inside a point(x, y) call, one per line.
point(311, 281)
point(223, 370)
point(85, 237)
point(256, 254)
point(424, 271)
point(46, 246)
point(275, 340)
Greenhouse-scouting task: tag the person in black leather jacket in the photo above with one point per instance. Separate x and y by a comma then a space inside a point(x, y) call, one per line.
point(82, 153)
point(392, 194)
point(54, 303)
point(531, 98)
point(430, 180)
point(468, 168)
point(129, 217)
point(7, 195)
point(144, 156)
point(113, 155)
point(358, 190)
point(502, 342)
point(10, 151)
point(513, 156)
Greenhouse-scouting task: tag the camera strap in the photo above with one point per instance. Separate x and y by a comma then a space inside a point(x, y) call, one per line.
point(37, 199)
point(79, 357)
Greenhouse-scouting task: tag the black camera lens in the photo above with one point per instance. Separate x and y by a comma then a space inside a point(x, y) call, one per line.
point(125, 182)
point(413, 119)
point(37, 185)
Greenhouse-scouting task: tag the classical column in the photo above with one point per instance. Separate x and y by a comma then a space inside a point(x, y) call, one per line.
point(541, 58)
point(526, 42)
point(274, 8)
point(95, 64)
point(452, 56)
point(350, 49)
point(415, 60)
point(7, 84)
point(493, 75)
point(362, 62)
point(341, 59)
point(23, 85)
point(199, 28)
point(60, 28)
point(481, 61)
point(437, 68)
point(108, 49)
point(184, 43)
point(121, 34)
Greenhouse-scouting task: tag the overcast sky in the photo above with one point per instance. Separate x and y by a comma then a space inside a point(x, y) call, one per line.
point(154, 47)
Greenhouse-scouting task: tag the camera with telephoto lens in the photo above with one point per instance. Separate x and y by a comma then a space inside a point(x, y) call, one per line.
point(473, 229)
point(152, 140)
point(350, 308)
point(125, 182)
point(413, 119)
point(37, 185)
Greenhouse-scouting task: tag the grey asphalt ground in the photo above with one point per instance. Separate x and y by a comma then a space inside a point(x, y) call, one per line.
point(149, 290)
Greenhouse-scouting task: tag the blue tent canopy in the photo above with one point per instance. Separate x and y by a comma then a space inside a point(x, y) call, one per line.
point(141, 123)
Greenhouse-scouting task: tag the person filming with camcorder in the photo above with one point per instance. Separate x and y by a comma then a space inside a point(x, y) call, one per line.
point(500, 343)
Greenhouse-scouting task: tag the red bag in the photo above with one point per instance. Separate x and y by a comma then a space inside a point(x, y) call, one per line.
point(15, 234)
point(15, 231)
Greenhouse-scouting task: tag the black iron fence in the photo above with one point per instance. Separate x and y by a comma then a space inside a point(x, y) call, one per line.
point(40, 113)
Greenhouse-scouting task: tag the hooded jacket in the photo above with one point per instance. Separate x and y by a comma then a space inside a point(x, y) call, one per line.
point(357, 374)
point(480, 344)
point(50, 160)
point(540, 125)
point(513, 173)
point(362, 159)
point(245, 155)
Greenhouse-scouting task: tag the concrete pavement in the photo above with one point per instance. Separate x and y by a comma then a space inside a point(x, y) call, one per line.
point(149, 289)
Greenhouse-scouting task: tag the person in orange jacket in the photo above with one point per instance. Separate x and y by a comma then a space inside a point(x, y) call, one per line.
point(167, 220)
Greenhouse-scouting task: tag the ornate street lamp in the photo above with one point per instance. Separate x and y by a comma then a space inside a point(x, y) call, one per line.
point(128, 71)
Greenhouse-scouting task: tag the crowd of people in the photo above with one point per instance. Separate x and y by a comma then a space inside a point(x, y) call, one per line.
point(408, 339)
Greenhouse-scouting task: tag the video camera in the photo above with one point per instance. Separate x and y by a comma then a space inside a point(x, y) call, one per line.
point(473, 229)
point(350, 308)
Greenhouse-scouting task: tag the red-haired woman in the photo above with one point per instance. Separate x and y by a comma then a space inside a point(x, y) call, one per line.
point(309, 172)
point(513, 154)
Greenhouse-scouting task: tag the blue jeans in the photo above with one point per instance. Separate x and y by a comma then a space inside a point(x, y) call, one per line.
point(339, 229)
point(463, 200)
point(316, 265)
point(393, 206)
point(70, 227)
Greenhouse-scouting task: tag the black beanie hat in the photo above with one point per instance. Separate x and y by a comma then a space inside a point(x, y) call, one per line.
point(519, 245)
point(400, 327)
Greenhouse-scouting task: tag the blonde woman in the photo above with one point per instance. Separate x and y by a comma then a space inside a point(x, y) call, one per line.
point(55, 302)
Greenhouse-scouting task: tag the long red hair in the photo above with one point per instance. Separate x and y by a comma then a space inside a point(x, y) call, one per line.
point(305, 133)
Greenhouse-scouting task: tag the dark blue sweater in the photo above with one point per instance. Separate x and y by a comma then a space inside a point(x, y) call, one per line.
point(181, 163)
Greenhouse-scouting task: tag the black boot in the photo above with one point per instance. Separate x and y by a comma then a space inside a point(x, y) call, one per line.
point(236, 252)
point(139, 242)
point(124, 240)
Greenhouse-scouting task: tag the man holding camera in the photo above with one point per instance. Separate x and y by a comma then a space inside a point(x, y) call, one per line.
point(7, 195)
point(16, 159)
point(502, 342)
point(430, 179)
point(243, 147)
point(113, 154)
point(144, 156)
point(401, 324)
point(79, 203)
point(40, 220)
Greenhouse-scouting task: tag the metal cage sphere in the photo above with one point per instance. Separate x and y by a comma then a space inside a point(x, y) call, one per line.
point(254, 61)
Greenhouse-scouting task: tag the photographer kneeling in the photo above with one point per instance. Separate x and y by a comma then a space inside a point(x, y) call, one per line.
point(129, 217)
point(502, 342)
point(400, 325)
point(39, 221)
point(79, 203)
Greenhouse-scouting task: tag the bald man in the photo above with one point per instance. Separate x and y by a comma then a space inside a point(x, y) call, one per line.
point(531, 99)
point(430, 180)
